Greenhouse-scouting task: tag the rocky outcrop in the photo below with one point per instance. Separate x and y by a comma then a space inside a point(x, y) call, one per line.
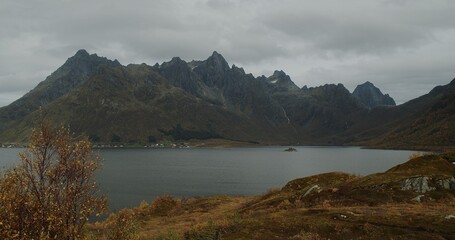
point(448, 183)
point(417, 184)
point(418, 198)
point(310, 190)
point(426, 184)
point(370, 96)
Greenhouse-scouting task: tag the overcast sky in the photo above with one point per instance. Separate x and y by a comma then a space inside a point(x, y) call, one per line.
point(405, 47)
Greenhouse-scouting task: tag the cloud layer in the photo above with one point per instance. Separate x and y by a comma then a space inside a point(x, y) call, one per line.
point(402, 46)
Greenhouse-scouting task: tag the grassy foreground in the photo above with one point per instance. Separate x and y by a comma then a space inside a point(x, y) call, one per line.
point(414, 200)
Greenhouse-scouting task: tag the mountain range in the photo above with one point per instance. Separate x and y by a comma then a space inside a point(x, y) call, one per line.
point(179, 100)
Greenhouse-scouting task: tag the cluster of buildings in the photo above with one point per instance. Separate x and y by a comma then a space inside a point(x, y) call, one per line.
point(8, 145)
point(154, 145)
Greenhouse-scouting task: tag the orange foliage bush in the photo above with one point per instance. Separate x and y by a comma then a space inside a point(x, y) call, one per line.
point(122, 225)
point(163, 205)
point(52, 192)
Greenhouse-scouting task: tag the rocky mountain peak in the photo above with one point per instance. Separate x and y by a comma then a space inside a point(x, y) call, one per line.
point(175, 61)
point(217, 61)
point(83, 60)
point(279, 76)
point(81, 53)
point(214, 71)
point(81, 56)
point(179, 73)
point(330, 89)
point(238, 69)
point(281, 81)
point(370, 96)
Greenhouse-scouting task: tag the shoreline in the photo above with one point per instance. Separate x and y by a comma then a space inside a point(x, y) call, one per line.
point(225, 143)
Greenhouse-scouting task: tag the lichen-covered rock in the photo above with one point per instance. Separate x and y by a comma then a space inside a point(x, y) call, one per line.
point(311, 190)
point(417, 184)
point(448, 183)
point(418, 198)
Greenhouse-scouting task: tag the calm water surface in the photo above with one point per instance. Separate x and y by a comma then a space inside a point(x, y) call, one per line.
point(132, 175)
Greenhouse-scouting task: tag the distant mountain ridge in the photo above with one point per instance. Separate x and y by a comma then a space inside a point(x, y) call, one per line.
point(371, 96)
point(179, 100)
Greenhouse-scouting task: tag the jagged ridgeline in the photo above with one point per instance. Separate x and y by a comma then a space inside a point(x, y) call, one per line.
point(179, 100)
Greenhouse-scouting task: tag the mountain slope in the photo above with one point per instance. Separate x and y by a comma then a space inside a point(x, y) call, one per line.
point(70, 75)
point(135, 104)
point(433, 124)
point(319, 114)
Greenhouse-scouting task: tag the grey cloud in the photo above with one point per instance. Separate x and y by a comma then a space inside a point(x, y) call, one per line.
point(393, 43)
point(363, 27)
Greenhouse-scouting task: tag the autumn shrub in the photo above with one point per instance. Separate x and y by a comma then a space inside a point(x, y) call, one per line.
point(51, 193)
point(122, 225)
point(163, 205)
point(143, 211)
point(170, 235)
point(209, 231)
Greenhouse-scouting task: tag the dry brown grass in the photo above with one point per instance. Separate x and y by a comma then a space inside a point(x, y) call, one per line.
point(193, 216)
point(220, 218)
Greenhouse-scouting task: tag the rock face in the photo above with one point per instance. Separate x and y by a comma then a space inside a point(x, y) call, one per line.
point(318, 189)
point(423, 184)
point(371, 96)
point(417, 184)
point(448, 183)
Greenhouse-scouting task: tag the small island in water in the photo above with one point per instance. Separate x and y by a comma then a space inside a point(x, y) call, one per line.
point(290, 149)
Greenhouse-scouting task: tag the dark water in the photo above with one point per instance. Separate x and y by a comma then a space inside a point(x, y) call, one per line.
point(132, 175)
